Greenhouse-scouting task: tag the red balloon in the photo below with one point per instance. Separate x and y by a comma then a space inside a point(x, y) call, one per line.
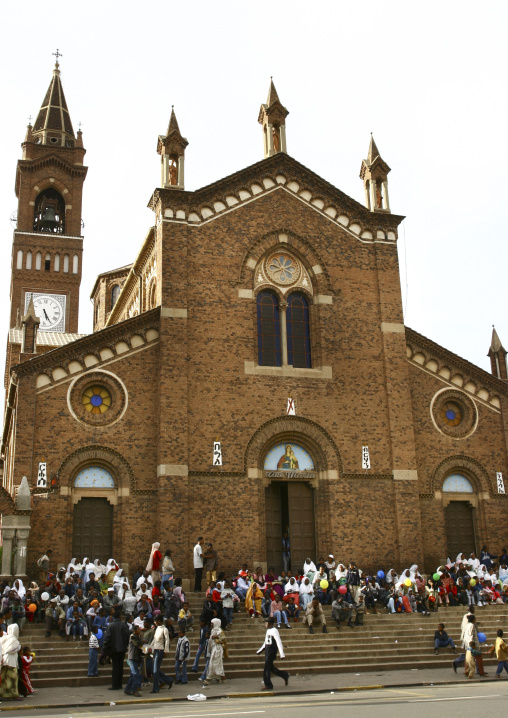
point(342, 589)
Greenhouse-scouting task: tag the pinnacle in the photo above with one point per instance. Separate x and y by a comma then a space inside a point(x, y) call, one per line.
point(373, 150)
point(495, 344)
point(173, 123)
point(272, 94)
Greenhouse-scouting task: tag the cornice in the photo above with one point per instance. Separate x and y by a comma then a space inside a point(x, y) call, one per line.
point(52, 160)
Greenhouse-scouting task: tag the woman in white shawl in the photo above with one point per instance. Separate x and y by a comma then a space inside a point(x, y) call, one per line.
point(119, 579)
point(154, 562)
point(391, 577)
point(218, 648)
point(127, 599)
point(10, 646)
point(144, 590)
point(309, 569)
point(86, 569)
point(19, 588)
point(340, 573)
point(99, 569)
point(110, 571)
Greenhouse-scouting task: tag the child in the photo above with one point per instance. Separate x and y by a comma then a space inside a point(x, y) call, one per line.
point(77, 627)
point(26, 660)
point(204, 634)
point(473, 654)
point(359, 611)
point(292, 609)
point(93, 648)
point(278, 612)
point(185, 618)
point(228, 596)
point(501, 650)
point(181, 654)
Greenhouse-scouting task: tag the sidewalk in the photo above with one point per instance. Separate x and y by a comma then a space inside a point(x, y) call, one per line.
point(246, 688)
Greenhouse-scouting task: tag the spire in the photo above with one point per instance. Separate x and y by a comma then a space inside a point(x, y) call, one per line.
point(374, 173)
point(30, 312)
point(497, 355)
point(53, 124)
point(273, 118)
point(171, 148)
point(29, 135)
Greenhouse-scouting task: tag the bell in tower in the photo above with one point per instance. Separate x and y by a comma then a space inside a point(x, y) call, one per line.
point(49, 212)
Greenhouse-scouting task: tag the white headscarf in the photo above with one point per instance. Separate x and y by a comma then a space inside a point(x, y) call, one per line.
point(142, 579)
point(20, 589)
point(99, 568)
point(340, 572)
point(120, 577)
point(147, 592)
point(111, 566)
point(72, 563)
point(155, 547)
point(10, 646)
point(216, 627)
point(307, 567)
point(391, 577)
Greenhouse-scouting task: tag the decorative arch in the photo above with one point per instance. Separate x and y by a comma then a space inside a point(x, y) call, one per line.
point(474, 472)
point(310, 435)
point(49, 202)
point(101, 456)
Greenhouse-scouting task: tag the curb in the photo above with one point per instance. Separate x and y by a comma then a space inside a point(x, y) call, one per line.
point(260, 694)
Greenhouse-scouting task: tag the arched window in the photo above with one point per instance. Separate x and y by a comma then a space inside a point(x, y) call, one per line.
point(152, 295)
point(66, 262)
point(19, 259)
point(49, 213)
point(268, 323)
point(457, 483)
point(57, 262)
point(298, 331)
point(29, 260)
point(47, 262)
point(38, 259)
point(75, 264)
point(115, 293)
point(94, 477)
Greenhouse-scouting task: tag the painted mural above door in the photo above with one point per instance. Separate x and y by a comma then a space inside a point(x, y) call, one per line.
point(288, 460)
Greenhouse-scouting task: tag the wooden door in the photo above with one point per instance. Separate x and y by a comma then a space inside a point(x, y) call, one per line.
point(273, 506)
point(460, 535)
point(301, 524)
point(92, 533)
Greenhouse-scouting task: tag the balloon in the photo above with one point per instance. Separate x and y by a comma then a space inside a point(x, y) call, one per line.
point(436, 577)
point(99, 634)
point(407, 582)
point(342, 589)
point(324, 584)
point(381, 575)
point(45, 596)
point(32, 608)
point(472, 582)
point(482, 637)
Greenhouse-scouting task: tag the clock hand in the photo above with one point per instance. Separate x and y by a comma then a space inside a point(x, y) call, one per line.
point(45, 314)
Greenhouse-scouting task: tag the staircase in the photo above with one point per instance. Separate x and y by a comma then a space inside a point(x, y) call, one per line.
point(385, 642)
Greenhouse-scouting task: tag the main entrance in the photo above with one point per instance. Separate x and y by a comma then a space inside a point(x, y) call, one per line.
point(92, 534)
point(290, 507)
point(460, 535)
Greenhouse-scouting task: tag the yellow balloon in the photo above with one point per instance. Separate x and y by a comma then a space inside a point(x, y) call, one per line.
point(472, 582)
point(407, 582)
point(324, 584)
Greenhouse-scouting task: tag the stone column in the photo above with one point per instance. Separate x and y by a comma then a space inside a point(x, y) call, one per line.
point(373, 197)
point(181, 160)
point(7, 537)
point(367, 196)
point(282, 131)
point(386, 203)
point(269, 137)
point(21, 549)
point(283, 333)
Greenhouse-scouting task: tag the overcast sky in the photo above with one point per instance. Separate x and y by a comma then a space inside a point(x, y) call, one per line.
point(429, 79)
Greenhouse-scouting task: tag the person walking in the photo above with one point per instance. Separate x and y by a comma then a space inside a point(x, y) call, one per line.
point(154, 563)
point(116, 641)
point(135, 658)
point(198, 565)
point(160, 646)
point(211, 561)
point(272, 644)
point(501, 650)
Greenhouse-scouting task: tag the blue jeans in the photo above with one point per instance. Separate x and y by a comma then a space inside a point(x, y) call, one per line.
point(241, 593)
point(443, 644)
point(500, 666)
point(228, 614)
point(92, 662)
point(280, 616)
point(158, 675)
point(305, 598)
point(171, 580)
point(197, 657)
point(134, 682)
point(202, 677)
point(181, 671)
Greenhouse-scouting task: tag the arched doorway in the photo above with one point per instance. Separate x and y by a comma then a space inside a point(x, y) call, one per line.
point(459, 515)
point(289, 505)
point(92, 533)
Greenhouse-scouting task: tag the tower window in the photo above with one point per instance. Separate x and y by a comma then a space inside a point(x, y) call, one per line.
point(115, 293)
point(38, 259)
point(29, 260)
point(298, 331)
point(268, 323)
point(66, 263)
point(49, 214)
point(75, 264)
point(57, 262)
point(47, 262)
point(19, 259)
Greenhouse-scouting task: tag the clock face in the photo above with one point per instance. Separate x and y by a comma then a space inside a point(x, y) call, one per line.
point(50, 308)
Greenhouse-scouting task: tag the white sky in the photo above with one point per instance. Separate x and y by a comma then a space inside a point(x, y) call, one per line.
point(429, 79)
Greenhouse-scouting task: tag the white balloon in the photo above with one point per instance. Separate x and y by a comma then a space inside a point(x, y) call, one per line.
point(45, 596)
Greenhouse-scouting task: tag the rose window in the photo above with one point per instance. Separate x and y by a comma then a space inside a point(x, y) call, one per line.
point(96, 399)
point(282, 269)
point(451, 413)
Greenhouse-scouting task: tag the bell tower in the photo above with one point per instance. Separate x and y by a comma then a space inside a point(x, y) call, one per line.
point(47, 247)
point(171, 148)
point(272, 117)
point(374, 173)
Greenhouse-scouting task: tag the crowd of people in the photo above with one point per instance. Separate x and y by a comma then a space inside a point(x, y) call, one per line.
point(89, 601)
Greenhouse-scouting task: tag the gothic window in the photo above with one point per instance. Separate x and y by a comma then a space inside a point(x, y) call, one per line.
point(57, 262)
point(66, 263)
point(298, 331)
point(47, 262)
point(19, 259)
point(268, 325)
point(115, 293)
point(75, 264)
point(49, 214)
point(29, 260)
point(38, 259)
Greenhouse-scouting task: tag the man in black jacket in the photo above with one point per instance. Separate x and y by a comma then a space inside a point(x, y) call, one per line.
point(117, 640)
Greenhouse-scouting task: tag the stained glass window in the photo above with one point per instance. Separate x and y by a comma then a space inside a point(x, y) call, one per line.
point(96, 399)
point(451, 413)
point(115, 293)
point(298, 331)
point(268, 324)
point(457, 483)
point(94, 477)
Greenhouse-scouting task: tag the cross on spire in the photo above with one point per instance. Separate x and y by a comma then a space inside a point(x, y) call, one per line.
point(80, 124)
point(30, 119)
point(57, 54)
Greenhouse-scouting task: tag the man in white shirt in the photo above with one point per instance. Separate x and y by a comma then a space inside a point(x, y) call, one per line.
point(198, 565)
point(242, 585)
point(271, 645)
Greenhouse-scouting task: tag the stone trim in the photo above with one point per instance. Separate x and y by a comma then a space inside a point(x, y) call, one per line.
point(323, 299)
point(172, 470)
point(253, 369)
point(245, 294)
point(112, 460)
point(405, 475)
point(392, 328)
point(175, 313)
point(471, 468)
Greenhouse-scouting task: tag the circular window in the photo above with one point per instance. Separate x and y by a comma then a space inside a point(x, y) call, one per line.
point(282, 269)
point(96, 399)
point(454, 413)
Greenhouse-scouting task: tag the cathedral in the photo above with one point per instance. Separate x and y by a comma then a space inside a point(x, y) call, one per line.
point(248, 374)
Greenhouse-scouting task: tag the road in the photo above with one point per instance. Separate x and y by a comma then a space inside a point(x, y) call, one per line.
point(484, 698)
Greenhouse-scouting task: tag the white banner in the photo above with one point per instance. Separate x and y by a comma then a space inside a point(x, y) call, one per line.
point(365, 457)
point(217, 454)
point(500, 483)
point(291, 410)
point(42, 482)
